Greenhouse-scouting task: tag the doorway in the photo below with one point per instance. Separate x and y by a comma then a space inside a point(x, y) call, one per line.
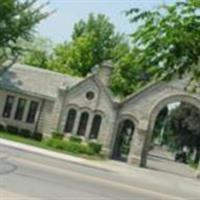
point(123, 139)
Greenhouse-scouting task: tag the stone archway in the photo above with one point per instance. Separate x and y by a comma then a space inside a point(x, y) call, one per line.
point(187, 98)
point(145, 106)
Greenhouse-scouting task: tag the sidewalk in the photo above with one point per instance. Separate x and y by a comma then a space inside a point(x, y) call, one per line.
point(108, 165)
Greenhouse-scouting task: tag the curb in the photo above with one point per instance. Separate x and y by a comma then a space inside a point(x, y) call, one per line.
point(52, 154)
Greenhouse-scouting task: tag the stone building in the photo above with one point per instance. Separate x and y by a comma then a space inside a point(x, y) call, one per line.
point(43, 101)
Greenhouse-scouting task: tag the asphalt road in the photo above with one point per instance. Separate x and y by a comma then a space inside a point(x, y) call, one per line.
point(41, 178)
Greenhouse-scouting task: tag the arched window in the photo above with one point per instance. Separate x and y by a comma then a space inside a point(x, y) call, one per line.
point(70, 121)
point(96, 124)
point(83, 124)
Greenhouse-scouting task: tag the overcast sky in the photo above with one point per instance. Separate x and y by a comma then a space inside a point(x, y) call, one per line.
point(58, 27)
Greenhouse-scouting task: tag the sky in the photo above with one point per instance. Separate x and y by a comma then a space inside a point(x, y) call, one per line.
point(59, 26)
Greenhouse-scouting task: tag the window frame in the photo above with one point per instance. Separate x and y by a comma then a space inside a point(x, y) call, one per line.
point(8, 106)
point(95, 126)
point(32, 112)
point(70, 121)
point(19, 112)
point(83, 123)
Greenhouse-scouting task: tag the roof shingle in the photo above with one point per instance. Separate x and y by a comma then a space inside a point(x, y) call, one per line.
point(34, 80)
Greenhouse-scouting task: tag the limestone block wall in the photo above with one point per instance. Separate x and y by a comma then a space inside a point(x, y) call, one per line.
point(45, 121)
point(100, 104)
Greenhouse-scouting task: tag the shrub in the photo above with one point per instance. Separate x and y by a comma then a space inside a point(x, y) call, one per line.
point(2, 127)
point(37, 136)
point(75, 139)
point(57, 135)
point(78, 148)
point(70, 146)
point(56, 143)
point(12, 129)
point(50, 142)
point(25, 133)
point(95, 146)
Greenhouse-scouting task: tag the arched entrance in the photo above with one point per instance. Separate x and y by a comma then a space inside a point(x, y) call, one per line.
point(161, 152)
point(123, 139)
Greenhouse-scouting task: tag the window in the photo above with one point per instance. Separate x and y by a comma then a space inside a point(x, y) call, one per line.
point(70, 121)
point(8, 106)
point(20, 109)
point(32, 112)
point(90, 95)
point(96, 124)
point(83, 123)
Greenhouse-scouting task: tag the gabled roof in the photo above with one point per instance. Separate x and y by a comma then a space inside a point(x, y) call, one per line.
point(140, 91)
point(35, 81)
point(97, 81)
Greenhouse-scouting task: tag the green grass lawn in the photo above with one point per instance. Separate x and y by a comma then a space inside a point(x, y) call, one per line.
point(43, 145)
point(16, 138)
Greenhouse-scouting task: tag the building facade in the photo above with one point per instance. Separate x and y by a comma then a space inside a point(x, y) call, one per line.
point(43, 101)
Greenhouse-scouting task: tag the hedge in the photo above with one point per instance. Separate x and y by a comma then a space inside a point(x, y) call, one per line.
point(57, 135)
point(75, 139)
point(95, 146)
point(70, 146)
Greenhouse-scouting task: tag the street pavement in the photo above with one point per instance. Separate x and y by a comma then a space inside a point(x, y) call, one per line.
point(25, 175)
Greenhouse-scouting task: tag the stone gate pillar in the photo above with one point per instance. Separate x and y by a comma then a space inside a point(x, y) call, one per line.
point(57, 111)
point(198, 172)
point(137, 155)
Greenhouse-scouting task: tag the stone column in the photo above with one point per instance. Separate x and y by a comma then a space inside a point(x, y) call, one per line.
point(63, 119)
point(198, 172)
point(26, 110)
point(14, 108)
point(57, 110)
point(106, 134)
point(136, 155)
point(89, 125)
point(76, 123)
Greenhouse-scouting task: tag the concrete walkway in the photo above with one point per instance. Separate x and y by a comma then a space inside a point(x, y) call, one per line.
point(163, 161)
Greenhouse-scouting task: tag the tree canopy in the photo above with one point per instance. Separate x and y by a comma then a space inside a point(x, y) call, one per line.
point(185, 124)
point(38, 52)
point(93, 41)
point(167, 39)
point(17, 21)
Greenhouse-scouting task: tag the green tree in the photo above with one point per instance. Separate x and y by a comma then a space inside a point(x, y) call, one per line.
point(38, 53)
point(128, 76)
point(93, 41)
point(184, 122)
point(17, 21)
point(167, 39)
